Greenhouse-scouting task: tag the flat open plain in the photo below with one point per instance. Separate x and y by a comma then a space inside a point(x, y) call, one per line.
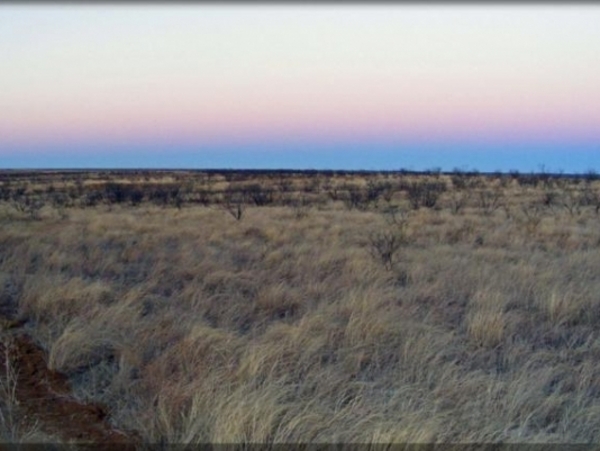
point(297, 307)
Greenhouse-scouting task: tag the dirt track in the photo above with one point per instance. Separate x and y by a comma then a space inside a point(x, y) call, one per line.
point(44, 397)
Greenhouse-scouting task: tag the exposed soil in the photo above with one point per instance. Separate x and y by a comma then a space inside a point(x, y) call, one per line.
point(45, 397)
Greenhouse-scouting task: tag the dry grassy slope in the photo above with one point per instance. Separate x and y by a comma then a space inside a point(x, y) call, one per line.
point(194, 327)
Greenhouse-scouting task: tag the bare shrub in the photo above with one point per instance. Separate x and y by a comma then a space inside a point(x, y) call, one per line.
point(354, 198)
point(203, 196)
point(300, 207)
point(490, 200)
point(91, 199)
point(28, 205)
point(115, 193)
point(458, 200)
point(261, 196)
point(5, 191)
point(424, 194)
point(384, 246)
point(460, 181)
point(571, 199)
point(395, 215)
point(285, 184)
point(234, 203)
point(532, 216)
point(376, 189)
point(136, 196)
point(591, 197)
point(166, 195)
point(61, 200)
point(334, 193)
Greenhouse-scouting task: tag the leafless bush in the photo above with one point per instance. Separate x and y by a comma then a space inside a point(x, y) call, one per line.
point(458, 200)
point(490, 200)
point(60, 201)
point(313, 184)
point(91, 199)
point(285, 184)
point(376, 189)
point(384, 246)
point(396, 216)
point(424, 194)
point(591, 197)
point(355, 198)
point(387, 192)
point(234, 202)
point(300, 207)
point(549, 199)
point(202, 196)
point(5, 191)
point(115, 193)
point(532, 216)
point(334, 193)
point(165, 195)
point(261, 196)
point(460, 180)
point(571, 200)
point(28, 206)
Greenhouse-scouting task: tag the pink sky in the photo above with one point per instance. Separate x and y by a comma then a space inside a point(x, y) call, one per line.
point(211, 75)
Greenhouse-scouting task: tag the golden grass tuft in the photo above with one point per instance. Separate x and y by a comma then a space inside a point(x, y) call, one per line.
point(486, 320)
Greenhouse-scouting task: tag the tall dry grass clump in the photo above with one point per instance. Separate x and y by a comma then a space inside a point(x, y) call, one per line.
point(485, 319)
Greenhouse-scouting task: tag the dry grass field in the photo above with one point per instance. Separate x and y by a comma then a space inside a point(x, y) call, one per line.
point(240, 307)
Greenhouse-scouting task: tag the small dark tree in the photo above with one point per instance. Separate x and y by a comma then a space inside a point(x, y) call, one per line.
point(384, 246)
point(234, 203)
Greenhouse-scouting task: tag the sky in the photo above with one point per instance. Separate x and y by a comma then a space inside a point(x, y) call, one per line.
point(274, 85)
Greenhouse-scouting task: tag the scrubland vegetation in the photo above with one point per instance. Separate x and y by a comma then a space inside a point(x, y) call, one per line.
point(281, 307)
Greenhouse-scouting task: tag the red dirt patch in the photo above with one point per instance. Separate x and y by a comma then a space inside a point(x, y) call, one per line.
point(45, 396)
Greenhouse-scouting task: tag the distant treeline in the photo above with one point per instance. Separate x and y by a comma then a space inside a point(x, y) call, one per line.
point(229, 174)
